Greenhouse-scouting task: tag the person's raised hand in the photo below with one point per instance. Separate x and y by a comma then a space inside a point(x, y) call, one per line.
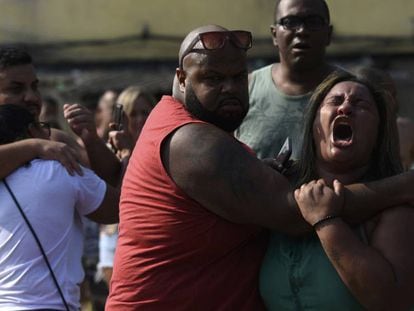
point(81, 121)
point(121, 142)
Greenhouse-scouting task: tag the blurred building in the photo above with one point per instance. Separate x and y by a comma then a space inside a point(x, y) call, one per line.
point(83, 47)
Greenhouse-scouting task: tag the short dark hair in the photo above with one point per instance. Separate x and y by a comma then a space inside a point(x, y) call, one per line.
point(14, 123)
point(324, 5)
point(13, 56)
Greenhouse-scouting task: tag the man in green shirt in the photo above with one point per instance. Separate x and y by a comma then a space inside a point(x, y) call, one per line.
point(279, 92)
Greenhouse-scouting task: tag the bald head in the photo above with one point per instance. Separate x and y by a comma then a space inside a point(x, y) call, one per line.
point(188, 43)
point(212, 85)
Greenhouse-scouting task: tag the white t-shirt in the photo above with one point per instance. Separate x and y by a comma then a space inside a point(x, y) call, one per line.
point(52, 201)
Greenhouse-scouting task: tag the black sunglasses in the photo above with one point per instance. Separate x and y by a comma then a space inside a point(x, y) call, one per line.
point(214, 40)
point(310, 22)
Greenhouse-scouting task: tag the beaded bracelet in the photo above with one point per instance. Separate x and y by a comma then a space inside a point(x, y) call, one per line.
point(321, 221)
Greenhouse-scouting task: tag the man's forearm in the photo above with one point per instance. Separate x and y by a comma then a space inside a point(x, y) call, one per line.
point(363, 201)
point(103, 161)
point(108, 211)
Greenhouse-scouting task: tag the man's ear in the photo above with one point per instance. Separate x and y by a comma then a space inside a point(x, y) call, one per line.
point(330, 32)
point(273, 32)
point(181, 78)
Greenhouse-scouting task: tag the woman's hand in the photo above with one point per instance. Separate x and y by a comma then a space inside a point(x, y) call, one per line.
point(121, 142)
point(318, 201)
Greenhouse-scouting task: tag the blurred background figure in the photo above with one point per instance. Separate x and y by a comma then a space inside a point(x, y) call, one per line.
point(137, 104)
point(103, 113)
point(52, 112)
point(384, 81)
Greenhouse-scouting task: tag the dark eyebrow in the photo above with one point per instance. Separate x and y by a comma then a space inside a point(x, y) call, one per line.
point(336, 96)
point(37, 81)
point(303, 16)
point(16, 82)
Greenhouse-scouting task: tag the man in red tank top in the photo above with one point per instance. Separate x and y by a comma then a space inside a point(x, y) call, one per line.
point(194, 198)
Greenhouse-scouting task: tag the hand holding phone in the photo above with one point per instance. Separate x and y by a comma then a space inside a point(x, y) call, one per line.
point(117, 117)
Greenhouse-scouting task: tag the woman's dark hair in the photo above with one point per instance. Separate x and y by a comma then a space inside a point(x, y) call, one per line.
point(14, 123)
point(380, 79)
point(385, 160)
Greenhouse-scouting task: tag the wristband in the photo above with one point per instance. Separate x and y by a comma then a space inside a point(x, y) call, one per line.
point(325, 219)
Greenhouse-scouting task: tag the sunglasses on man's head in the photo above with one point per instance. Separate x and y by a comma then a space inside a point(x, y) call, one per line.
point(310, 22)
point(214, 40)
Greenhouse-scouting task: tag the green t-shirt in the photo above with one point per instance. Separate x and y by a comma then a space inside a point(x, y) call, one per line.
point(272, 117)
point(297, 275)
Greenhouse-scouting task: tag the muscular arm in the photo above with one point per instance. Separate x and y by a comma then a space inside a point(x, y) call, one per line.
point(215, 170)
point(380, 275)
point(363, 201)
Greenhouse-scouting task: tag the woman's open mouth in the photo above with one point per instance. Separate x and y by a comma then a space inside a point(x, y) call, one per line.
point(342, 132)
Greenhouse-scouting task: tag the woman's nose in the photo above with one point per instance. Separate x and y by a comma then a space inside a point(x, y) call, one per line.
point(345, 108)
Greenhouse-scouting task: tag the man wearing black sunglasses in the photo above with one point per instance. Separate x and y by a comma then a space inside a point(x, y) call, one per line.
point(279, 93)
point(194, 199)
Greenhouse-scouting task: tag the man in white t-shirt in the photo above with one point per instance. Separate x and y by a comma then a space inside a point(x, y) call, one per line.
point(53, 201)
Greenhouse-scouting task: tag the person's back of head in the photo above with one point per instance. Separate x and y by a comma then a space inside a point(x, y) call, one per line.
point(14, 123)
point(11, 56)
point(129, 95)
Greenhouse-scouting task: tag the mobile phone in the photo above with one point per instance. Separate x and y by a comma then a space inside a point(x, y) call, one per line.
point(117, 116)
point(285, 152)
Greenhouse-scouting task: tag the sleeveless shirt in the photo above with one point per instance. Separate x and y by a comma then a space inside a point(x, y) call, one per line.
point(173, 253)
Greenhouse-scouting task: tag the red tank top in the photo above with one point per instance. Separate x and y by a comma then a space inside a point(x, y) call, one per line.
point(172, 253)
